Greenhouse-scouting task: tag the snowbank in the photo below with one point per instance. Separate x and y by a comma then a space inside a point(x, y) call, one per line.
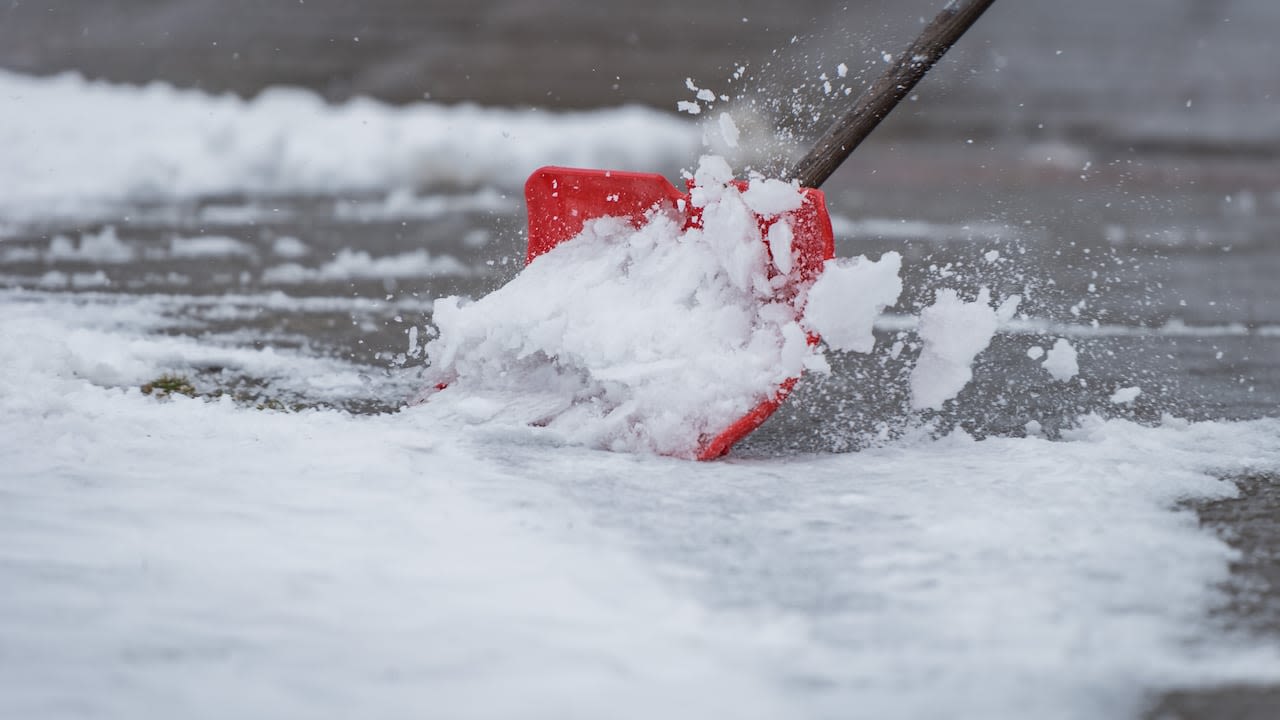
point(71, 143)
point(348, 264)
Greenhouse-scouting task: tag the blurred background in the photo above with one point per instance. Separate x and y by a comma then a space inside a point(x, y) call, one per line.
point(1196, 72)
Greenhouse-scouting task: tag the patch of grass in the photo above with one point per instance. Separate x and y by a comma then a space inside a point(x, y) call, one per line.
point(167, 385)
point(245, 391)
point(258, 401)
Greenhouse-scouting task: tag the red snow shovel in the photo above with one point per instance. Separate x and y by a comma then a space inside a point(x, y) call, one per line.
point(562, 200)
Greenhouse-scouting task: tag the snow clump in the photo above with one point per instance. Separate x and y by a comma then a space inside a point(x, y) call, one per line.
point(953, 333)
point(848, 297)
point(1061, 362)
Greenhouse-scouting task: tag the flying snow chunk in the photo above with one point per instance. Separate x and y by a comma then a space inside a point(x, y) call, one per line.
point(728, 130)
point(953, 332)
point(847, 298)
point(689, 106)
point(1061, 361)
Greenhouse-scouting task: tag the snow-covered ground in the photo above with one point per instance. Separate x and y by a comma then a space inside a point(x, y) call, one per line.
point(198, 558)
point(201, 557)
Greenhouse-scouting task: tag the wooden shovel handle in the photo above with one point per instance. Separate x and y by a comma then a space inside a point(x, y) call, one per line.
point(887, 91)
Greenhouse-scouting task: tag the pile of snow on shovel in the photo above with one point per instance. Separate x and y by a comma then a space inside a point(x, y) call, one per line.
point(654, 338)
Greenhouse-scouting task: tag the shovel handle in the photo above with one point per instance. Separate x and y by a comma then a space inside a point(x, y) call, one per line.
point(887, 91)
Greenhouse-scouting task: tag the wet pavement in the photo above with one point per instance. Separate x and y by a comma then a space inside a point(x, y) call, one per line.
point(1115, 167)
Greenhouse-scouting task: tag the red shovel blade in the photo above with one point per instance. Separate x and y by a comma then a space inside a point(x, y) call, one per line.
point(562, 200)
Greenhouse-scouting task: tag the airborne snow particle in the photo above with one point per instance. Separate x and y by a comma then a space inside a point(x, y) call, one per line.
point(1061, 361)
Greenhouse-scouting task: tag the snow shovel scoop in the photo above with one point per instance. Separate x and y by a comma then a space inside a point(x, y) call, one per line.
point(563, 203)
